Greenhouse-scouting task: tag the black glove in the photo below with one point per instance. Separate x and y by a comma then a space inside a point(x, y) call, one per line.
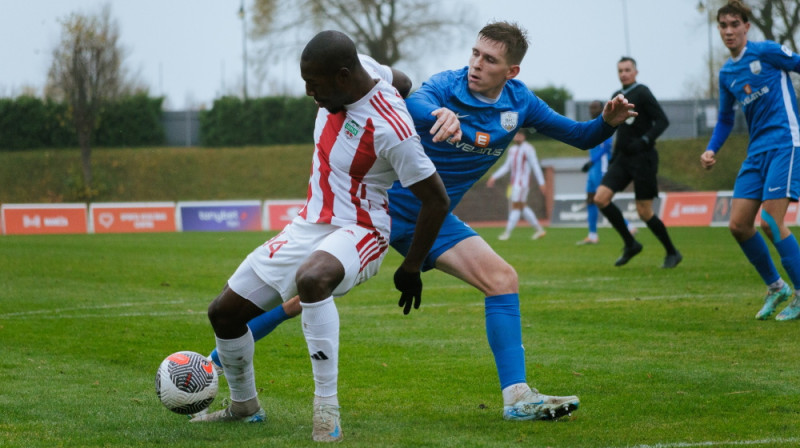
point(586, 166)
point(410, 286)
point(637, 146)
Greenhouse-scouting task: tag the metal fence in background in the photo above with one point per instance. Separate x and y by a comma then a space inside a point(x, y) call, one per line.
point(687, 118)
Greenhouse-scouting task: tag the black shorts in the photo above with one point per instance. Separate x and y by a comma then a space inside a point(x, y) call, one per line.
point(641, 168)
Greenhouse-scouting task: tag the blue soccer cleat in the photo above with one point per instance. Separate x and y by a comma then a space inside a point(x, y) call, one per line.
point(772, 300)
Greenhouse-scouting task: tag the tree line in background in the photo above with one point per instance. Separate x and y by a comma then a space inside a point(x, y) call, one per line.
point(91, 100)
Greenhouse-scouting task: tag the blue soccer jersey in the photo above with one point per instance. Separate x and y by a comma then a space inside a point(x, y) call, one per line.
point(487, 127)
point(759, 81)
point(599, 156)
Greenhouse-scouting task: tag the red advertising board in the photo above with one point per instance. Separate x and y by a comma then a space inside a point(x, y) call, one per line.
point(688, 209)
point(132, 217)
point(281, 212)
point(22, 219)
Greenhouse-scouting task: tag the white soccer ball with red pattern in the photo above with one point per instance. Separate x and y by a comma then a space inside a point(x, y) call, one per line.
point(186, 382)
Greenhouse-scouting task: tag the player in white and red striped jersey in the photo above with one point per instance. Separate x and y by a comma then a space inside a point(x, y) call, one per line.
point(520, 162)
point(364, 141)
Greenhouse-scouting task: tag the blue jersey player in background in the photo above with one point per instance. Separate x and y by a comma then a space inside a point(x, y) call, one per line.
point(466, 119)
point(595, 168)
point(756, 77)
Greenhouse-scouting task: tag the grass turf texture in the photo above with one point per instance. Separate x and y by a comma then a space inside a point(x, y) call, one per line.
point(670, 358)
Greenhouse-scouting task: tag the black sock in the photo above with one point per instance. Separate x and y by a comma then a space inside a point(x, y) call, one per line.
point(660, 231)
point(614, 216)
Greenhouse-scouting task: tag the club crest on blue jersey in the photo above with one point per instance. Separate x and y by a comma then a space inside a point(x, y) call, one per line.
point(508, 120)
point(755, 67)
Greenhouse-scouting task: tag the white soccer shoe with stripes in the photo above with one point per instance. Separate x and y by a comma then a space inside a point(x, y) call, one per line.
point(535, 406)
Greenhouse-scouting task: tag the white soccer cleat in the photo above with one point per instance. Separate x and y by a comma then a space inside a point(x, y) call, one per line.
point(226, 415)
point(327, 423)
point(504, 236)
point(539, 234)
point(535, 406)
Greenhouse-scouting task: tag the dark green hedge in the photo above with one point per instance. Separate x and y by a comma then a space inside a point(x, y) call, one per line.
point(262, 121)
point(27, 122)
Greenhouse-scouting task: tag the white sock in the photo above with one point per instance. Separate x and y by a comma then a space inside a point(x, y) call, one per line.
point(513, 392)
point(321, 329)
point(236, 356)
point(332, 400)
point(778, 284)
point(513, 218)
point(531, 218)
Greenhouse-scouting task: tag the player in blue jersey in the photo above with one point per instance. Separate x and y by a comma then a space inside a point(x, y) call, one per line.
point(595, 168)
point(466, 119)
point(756, 77)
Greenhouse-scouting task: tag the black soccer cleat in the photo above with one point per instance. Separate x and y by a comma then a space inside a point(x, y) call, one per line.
point(672, 260)
point(629, 252)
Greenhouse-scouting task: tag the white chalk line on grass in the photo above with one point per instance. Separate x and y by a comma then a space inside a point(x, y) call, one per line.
point(59, 313)
point(105, 306)
point(773, 441)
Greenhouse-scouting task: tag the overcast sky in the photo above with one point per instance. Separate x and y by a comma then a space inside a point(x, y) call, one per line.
point(191, 50)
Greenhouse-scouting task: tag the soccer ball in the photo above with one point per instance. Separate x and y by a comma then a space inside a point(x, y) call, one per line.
point(186, 382)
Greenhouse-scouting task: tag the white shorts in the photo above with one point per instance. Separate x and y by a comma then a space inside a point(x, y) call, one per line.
point(518, 194)
point(275, 263)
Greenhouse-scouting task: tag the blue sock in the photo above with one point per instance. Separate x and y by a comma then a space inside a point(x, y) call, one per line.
point(592, 213)
point(504, 331)
point(790, 258)
point(260, 326)
point(756, 250)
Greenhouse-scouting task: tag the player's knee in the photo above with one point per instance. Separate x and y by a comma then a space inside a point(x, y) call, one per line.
point(740, 231)
point(314, 285)
point(221, 314)
point(502, 280)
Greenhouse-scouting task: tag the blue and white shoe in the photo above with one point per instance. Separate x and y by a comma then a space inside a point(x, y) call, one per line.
point(790, 312)
point(535, 406)
point(772, 300)
point(327, 423)
point(226, 415)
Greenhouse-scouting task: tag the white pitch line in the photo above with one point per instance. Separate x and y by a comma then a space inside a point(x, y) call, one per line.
point(106, 306)
point(779, 440)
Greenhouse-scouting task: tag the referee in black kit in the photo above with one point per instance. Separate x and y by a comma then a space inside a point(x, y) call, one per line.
point(636, 159)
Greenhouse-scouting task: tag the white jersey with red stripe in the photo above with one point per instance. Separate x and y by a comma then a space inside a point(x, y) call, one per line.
point(359, 152)
point(521, 160)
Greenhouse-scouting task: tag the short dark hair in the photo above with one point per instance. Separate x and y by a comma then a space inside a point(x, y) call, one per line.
point(513, 36)
point(626, 59)
point(330, 51)
point(735, 8)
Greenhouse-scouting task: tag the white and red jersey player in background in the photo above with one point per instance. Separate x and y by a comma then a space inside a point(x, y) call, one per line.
point(520, 162)
point(364, 140)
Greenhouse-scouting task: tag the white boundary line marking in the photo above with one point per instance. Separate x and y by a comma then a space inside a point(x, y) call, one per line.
point(772, 441)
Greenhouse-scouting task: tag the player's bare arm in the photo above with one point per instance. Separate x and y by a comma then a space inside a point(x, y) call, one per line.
point(617, 110)
point(708, 159)
point(435, 206)
point(447, 125)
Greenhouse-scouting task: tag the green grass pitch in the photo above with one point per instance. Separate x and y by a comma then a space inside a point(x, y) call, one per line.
point(659, 358)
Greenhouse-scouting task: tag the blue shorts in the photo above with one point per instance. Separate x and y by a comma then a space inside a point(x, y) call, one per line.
point(595, 175)
point(453, 231)
point(769, 175)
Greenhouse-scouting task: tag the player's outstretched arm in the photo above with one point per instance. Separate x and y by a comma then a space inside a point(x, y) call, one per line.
point(617, 110)
point(435, 206)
